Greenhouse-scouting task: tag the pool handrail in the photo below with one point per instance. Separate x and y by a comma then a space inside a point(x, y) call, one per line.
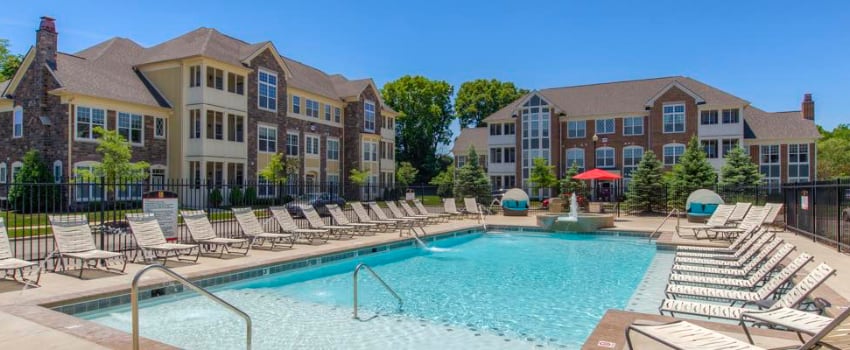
point(374, 274)
point(134, 301)
point(658, 230)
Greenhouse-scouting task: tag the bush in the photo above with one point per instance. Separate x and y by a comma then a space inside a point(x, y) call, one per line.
point(236, 196)
point(250, 195)
point(33, 188)
point(215, 198)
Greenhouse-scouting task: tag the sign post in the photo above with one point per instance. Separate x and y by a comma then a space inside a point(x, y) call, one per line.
point(163, 205)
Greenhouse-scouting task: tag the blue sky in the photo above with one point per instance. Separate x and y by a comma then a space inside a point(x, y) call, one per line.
point(768, 52)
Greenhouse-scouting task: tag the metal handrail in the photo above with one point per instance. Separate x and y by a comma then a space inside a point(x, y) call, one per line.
point(657, 230)
point(357, 272)
point(481, 216)
point(134, 301)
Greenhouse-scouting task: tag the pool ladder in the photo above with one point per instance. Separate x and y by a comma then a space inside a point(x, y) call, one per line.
point(134, 301)
point(374, 274)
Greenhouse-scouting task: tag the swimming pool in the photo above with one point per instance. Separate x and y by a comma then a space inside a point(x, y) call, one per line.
point(516, 290)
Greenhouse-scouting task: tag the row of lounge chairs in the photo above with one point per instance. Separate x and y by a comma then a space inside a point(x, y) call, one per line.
point(726, 221)
point(748, 277)
point(74, 240)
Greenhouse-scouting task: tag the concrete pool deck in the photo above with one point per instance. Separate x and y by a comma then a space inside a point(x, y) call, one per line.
point(26, 321)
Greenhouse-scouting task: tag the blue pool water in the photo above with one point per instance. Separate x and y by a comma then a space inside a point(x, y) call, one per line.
point(483, 291)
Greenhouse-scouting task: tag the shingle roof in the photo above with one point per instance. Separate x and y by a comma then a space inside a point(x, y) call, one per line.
point(310, 79)
point(618, 97)
point(475, 137)
point(3, 85)
point(778, 125)
point(206, 42)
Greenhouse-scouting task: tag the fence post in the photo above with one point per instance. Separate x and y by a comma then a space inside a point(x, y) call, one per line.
point(813, 199)
point(103, 199)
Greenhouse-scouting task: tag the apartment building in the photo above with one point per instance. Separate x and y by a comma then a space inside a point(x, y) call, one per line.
point(203, 106)
point(611, 125)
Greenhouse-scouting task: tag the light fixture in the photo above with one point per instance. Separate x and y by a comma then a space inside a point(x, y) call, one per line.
point(595, 137)
point(312, 127)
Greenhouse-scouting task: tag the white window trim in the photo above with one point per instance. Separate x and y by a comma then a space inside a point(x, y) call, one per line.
point(276, 138)
point(684, 118)
point(584, 129)
point(798, 178)
point(4, 172)
point(141, 131)
point(642, 126)
point(328, 149)
point(778, 177)
point(642, 151)
point(613, 157)
point(580, 151)
point(15, 122)
point(603, 120)
point(164, 129)
point(93, 137)
point(664, 153)
point(298, 143)
point(90, 197)
point(375, 115)
point(259, 82)
point(318, 144)
point(57, 164)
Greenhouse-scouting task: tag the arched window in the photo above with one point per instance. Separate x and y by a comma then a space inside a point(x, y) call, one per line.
point(86, 188)
point(672, 153)
point(575, 156)
point(4, 173)
point(605, 157)
point(631, 158)
point(57, 171)
point(18, 122)
point(16, 168)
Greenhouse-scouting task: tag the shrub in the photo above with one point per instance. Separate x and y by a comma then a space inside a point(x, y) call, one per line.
point(215, 198)
point(236, 196)
point(250, 195)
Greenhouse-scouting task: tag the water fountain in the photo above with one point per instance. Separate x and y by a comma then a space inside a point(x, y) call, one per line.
point(573, 221)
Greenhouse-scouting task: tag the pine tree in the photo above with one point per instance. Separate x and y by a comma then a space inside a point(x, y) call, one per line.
point(739, 170)
point(472, 181)
point(33, 188)
point(692, 173)
point(570, 186)
point(646, 185)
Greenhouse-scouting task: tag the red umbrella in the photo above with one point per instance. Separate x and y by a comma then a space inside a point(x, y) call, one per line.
point(597, 174)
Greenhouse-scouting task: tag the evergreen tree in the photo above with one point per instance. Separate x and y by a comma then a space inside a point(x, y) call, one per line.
point(646, 185)
point(570, 186)
point(33, 188)
point(739, 170)
point(472, 181)
point(541, 175)
point(444, 182)
point(692, 173)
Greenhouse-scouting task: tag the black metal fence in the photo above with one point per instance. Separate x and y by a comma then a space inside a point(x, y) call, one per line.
point(820, 210)
point(669, 198)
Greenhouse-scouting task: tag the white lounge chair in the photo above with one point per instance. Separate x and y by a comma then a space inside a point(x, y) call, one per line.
point(741, 281)
point(396, 213)
point(402, 224)
point(803, 322)
point(741, 209)
point(741, 272)
point(340, 219)
point(8, 262)
point(450, 207)
point(765, 242)
point(732, 248)
point(725, 254)
point(202, 232)
point(772, 218)
point(752, 222)
point(471, 207)
point(287, 224)
point(363, 216)
point(315, 221)
point(433, 218)
point(151, 243)
point(424, 211)
point(717, 219)
point(255, 233)
point(74, 241)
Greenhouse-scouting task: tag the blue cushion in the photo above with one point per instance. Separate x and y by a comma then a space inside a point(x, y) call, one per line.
point(710, 208)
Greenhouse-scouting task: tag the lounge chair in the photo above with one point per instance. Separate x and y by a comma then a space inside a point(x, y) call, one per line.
point(402, 224)
point(742, 272)
point(450, 207)
point(422, 210)
point(396, 212)
point(202, 232)
point(773, 285)
point(741, 281)
point(765, 242)
point(287, 224)
point(751, 222)
point(471, 207)
point(315, 221)
point(717, 219)
point(741, 209)
point(831, 333)
point(8, 263)
point(74, 241)
point(803, 322)
point(363, 216)
point(340, 219)
point(255, 233)
point(732, 248)
point(434, 218)
point(151, 243)
point(771, 220)
point(725, 254)
point(792, 298)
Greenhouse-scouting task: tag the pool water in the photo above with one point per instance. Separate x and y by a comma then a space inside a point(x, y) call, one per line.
point(481, 291)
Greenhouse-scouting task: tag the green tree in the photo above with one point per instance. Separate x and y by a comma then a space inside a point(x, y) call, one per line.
point(405, 174)
point(570, 185)
point(358, 177)
point(833, 152)
point(739, 170)
point(646, 185)
point(692, 173)
point(115, 168)
point(9, 62)
point(33, 188)
point(480, 98)
point(276, 173)
point(444, 182)
point(425, 115)
point(472, 181)
point(541, 175)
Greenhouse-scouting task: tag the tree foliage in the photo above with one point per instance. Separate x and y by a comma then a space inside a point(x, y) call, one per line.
point(541, 175)
point(646, 185)
point(444, 182)
point(570, 185)
point(115, 168)
point(425, 115)
point(480, 98)
point(472, 181)
point(833, 153)
point(358, 177)
point(9, 62)
point(692, 173)
point(739, 170)
point(24, 196)
point(278, 168)
point(405, 174)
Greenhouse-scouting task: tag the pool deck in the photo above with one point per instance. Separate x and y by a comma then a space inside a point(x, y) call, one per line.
point(25, 321)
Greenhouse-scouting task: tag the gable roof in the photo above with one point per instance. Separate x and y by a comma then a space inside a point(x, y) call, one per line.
point(203, 41)
point(619, 97)
point(310, 79)
point(475, 137)
point(778, 125)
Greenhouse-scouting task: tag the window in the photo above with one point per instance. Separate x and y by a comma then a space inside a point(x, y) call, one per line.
point(674, 118)
point(267, 87)
point(311, 145)
point(292, 144)
point(576, 129)
point(195, 173)
point(369, 116)
point(296, 104)
point(3, 173)
point(235, 83)
point(215, 174)
point(16, 168)
point(605, 157)
point(769, 164)
point(495, 129)
point(672, 153)
point(337, 114)
point(215, 78)
point(495, 155)
point(130, 126)
point(18, 122)
point(510, 129)
point(461, 161)
point(496, 182)
point(194, 76)
point(633, 126)
point(605, 126)
point(333, 149)
point(710, 148)
point(575, 156)
point(370, 151)
point(312, 108)
point(131, 191)
point(87, 120)
point(267, 139)
point(708, 117)
point(195, 124)
point(730, 116)
point(510, 181)
point(328, 112)
point(159, 128)
point(158, 178)
point(798, 162)
point(631, 158)
point(510, 155)
point(86, 188)
point(235, 128)
point(215, 125)
point(729, 145)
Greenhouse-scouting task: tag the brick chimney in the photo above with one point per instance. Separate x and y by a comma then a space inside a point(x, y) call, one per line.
point(808, 107)
point(46, 42)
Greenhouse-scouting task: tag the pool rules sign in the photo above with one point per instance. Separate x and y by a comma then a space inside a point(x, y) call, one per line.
point(163, 205)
